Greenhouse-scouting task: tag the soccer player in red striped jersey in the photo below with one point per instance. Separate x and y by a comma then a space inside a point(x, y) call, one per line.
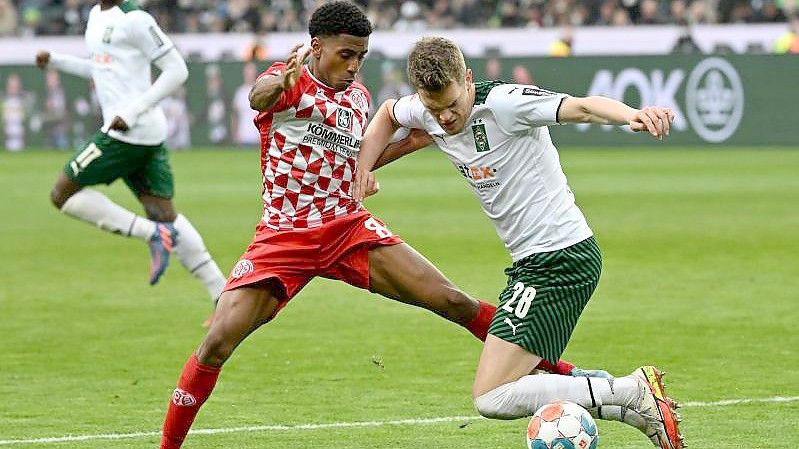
point(311, 120)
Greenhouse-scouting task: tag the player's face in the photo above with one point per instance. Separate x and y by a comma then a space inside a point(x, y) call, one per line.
point(452, 105)
point(337, 59)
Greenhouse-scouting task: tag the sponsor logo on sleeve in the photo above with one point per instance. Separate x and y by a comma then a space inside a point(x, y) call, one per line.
point(156, 38)
point(536, 91)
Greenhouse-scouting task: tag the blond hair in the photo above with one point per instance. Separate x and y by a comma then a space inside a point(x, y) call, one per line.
point(434, 63)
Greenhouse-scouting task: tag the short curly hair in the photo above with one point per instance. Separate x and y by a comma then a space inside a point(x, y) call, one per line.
point(339, 17)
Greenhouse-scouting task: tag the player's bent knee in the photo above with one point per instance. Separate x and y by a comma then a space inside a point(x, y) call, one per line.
point(158, 209)
point(490, 404)
point(160, 215)
point(58, 198)
point(214, 353)
point(457, 298)
point(459, 306)
point(215, 349)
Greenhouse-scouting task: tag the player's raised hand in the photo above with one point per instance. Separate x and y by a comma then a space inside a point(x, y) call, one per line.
point(42, 59)
point(364, 185)
point(654, 120)
point(293, 68)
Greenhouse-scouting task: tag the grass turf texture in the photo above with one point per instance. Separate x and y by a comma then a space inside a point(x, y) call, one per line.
point(700, 278)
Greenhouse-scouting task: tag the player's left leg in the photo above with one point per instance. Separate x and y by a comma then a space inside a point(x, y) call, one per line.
point(153, 184)
point(538, 310)
point(399, 272)
point(503, 390)
point(368, 255)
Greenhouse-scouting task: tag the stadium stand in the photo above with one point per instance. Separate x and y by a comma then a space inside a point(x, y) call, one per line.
point(68, 17)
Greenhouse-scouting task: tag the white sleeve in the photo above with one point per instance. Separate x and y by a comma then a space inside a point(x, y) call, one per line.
point(148, 36)
point(518, 107)
point(409, 112)
point(71, 64)
point(173, 74)
point(399, 135)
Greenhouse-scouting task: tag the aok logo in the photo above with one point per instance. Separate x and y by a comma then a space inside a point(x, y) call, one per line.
point(476, 173)
point(714, 95)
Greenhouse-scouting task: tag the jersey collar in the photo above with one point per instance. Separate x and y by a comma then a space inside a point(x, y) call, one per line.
point(319, 83)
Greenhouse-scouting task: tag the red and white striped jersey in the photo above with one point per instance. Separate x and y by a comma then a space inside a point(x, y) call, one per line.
point(310, 141)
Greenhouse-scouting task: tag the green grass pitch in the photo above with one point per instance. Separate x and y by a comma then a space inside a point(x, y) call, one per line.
point(701, 278)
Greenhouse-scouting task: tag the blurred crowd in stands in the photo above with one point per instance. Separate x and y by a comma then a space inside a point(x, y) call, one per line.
point(59, 17)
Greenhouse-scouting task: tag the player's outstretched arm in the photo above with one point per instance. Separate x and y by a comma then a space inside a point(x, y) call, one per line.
point(374, 141)
point(266, 91)
point(173, 74)
point(73, 65)
point(606, 111)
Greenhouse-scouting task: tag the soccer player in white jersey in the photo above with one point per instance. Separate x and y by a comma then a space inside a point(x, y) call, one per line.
point(124, 42)
point(496, 136)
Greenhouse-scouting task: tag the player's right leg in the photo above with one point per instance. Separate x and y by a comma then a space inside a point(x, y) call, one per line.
point(101, 161)
point(274, 268)
point(239, 313)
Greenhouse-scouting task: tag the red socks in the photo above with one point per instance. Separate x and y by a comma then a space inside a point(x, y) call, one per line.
point(562, 367)
point(479, 324)
point(196, 383)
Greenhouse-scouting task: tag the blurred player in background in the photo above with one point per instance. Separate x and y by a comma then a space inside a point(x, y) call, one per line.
point(311, 120)
point(496, 135)
point(14, 108)
point(124, 41)
point(241, 114)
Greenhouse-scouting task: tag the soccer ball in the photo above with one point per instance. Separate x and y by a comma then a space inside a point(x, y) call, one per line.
point(562, 425)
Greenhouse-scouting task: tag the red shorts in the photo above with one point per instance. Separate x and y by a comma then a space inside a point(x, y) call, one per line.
point(336, 250)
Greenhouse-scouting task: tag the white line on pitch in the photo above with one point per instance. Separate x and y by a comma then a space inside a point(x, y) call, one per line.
point(339, 425)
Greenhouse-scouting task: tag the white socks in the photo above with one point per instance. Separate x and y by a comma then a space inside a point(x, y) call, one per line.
point(192, 253)
point(526, 395)
point(94, 207)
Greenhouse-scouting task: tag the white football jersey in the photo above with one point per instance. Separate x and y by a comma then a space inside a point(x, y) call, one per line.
point(124, 41)
point(507, 157)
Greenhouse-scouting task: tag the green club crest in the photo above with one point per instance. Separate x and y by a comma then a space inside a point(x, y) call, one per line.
point(107, 34)
point(480, 138)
